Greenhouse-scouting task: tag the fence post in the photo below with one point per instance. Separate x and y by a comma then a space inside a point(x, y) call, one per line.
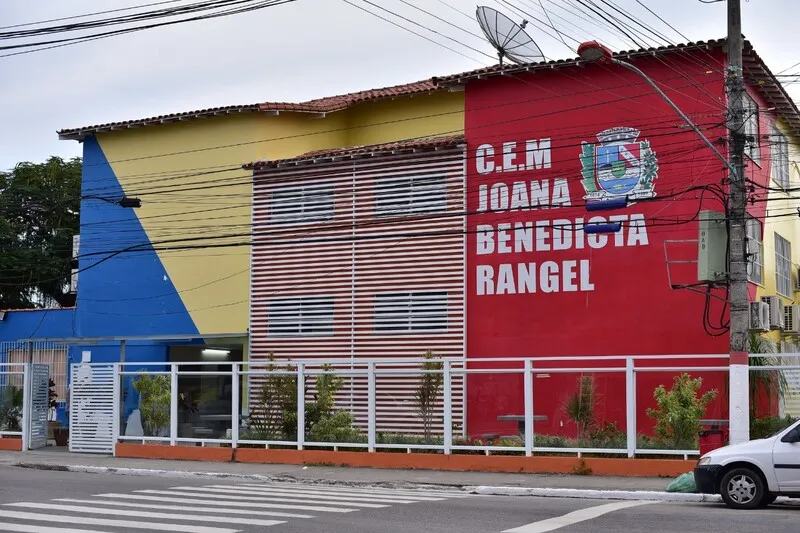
point(371, 406)
point(301, 406)
point(630, 406)
point(173, 404)
point(447, 380)
point(528, 386)
point(235, 404)
point(26, 405)
point(116, 398)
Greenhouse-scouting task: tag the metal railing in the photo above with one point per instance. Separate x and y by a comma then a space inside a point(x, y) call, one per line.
point(378, 398)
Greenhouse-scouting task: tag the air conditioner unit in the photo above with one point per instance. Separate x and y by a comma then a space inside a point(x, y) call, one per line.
point(775, 311)
point(759, 316)
point(791, 318)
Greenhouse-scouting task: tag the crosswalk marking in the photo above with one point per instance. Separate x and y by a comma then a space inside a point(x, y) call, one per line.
point(366, 496)
point(303, 495)
point(114, 523)
point(210, 493)
point(25, 528)
point(441, 493)
point(221, 510)
point(148, 514)
point(217, 508)
point(255, 505)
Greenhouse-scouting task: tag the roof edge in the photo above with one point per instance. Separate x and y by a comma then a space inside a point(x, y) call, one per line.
point(423, 144)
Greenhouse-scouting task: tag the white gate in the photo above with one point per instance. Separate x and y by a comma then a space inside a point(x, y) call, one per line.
point(38, 405)
point(93, 396)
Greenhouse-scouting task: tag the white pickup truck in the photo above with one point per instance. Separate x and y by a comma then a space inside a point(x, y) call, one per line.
point(752, 474)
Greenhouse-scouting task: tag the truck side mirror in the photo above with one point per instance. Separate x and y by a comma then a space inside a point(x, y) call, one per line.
point(792, 437)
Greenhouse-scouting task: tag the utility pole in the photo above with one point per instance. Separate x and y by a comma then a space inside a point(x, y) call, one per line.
point(739, 400)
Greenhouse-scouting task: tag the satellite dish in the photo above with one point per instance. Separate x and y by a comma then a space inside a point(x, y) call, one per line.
point(508, 38)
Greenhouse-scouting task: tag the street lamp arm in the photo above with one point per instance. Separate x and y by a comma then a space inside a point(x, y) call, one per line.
point(686, 119)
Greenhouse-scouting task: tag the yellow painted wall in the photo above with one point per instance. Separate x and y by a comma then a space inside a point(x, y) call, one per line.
point(788, 227)
point(437, 114)
point(214, 283)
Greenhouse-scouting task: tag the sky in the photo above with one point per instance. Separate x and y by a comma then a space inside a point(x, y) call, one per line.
point(312, 48)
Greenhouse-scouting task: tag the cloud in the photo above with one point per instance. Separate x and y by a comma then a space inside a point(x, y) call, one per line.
point(302, 50)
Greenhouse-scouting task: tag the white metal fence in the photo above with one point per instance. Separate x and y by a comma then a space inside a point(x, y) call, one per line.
point(94, 407)
point(24, 403)
point(244, 404)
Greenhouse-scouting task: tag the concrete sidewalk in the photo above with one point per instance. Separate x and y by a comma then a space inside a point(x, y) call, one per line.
point(58, 458)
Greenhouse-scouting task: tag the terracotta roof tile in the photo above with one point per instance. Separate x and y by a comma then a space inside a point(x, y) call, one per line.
point(371, 150)
point(328, 104)
point(755, 70)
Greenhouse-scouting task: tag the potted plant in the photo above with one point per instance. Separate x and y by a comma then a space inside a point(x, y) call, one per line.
point(61, 436)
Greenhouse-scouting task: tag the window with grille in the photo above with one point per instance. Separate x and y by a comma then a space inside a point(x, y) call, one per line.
point(55, 357)
point(409, 195)
point(783, 266)
point(301, 204)
point(779, 148)
point(750, 130)
point(755, 251)
point(312, 315)
point(410, 311)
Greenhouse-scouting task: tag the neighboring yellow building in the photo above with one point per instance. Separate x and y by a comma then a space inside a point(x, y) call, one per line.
point(196, 199)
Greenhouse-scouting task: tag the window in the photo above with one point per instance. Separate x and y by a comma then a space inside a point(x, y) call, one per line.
point(751, 146)
point(410, 311)
point(780, 158)
point(301, 204)
point(755, 251)
point(312, 315)
point(407, 195)
point(783, 266)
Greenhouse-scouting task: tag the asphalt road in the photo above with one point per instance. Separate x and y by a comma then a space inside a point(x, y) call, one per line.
point(35, 501)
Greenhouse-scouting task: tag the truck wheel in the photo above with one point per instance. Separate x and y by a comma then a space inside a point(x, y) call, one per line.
point(742, 488)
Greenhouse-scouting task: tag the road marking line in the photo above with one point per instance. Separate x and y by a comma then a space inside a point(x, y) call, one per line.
point(302, 495)
point(42, 529)
point(147, 514)
point(149, 505)
point(200, 493)
point(389, 498)
point(257, 505)
point(67, 519)
point(574, 517)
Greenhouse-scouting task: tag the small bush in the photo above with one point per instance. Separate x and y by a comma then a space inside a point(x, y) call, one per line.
point(761, 428)
point(679, 412)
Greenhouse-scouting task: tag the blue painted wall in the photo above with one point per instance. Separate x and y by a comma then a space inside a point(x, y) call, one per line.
point(123, 288)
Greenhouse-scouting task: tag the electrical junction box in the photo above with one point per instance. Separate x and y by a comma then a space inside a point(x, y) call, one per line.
point(712, 264)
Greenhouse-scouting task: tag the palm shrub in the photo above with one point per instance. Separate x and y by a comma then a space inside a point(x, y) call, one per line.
point(154, 403)
point(579, 406)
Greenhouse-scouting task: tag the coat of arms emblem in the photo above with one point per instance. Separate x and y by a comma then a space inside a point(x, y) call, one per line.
point(618, 166)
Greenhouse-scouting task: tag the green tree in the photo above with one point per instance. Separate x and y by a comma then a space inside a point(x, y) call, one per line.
point(39, 214)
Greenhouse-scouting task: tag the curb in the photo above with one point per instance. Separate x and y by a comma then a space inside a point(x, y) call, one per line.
point(84, 469)
point(597, 494)
point(640, 495)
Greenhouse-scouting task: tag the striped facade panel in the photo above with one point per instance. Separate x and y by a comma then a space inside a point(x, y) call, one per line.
point(363, 260)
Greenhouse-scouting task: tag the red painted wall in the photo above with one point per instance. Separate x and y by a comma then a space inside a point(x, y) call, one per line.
point(602, 295)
